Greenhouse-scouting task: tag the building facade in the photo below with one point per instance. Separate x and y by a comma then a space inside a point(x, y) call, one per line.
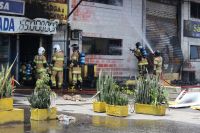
point(108, 30)
point(190, 39)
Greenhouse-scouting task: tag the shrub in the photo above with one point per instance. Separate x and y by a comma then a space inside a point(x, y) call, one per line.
point(41, 97)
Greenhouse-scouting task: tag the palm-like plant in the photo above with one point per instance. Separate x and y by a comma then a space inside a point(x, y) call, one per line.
point(6, 81)
point(104, 85)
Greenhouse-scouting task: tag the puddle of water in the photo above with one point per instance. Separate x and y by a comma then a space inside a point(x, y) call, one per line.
point(98, 124)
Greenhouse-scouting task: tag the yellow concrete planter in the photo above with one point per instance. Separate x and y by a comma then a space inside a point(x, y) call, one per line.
point(15, 115)
point(52, 113)
point(150, 109)
point(99, 107)
point(43, 114)
point(115, 110)
point(6, 104)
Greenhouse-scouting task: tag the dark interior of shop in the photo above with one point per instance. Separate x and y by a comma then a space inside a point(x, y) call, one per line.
point(28, 48)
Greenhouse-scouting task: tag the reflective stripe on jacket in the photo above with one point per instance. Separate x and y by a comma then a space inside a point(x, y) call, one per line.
point(58, 59)
point(40, 60)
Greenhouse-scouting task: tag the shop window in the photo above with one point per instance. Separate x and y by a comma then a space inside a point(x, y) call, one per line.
point(194, 52)
point(102, 46)
point(195, 10)
point(109, 2)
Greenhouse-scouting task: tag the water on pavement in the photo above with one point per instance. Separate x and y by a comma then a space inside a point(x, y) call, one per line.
point(98, 124)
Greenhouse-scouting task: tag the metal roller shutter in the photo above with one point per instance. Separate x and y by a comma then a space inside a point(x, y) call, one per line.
point(162, 33)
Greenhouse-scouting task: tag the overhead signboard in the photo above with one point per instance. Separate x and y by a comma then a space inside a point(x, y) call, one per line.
point(56, 10)
point(12, 7)
point(192, 29)
point(9, 24)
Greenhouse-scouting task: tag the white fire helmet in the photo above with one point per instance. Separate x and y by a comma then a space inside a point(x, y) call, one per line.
point(57, 47)
point(41, 51)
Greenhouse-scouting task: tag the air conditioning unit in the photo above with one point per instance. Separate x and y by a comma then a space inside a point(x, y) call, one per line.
point(76, 34)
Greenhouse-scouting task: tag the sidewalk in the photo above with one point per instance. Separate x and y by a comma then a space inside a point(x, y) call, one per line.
point(185, 115)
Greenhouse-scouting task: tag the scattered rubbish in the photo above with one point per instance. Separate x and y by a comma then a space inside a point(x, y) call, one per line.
point(65, 119)
point(186, 99)
point(73, 98)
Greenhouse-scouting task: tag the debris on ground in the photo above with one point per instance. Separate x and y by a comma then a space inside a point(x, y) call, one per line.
point(65, 119)
point(73, 98)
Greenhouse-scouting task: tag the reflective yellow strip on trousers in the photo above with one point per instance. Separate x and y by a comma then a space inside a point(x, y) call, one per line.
point(57, 69)
point(40, 62)
point(59, 59)
point(41, 70)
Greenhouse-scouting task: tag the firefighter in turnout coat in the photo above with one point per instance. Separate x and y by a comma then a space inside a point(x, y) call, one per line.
point(158, 60)
point(141, 55)
point(40, 62)
point(58, 63)
point(76, 69)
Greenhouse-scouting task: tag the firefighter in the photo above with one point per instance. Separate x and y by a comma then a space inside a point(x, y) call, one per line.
point(58, 63)
point(157, 63)
point(76, 70)
point(141, 55)
point(40, 62)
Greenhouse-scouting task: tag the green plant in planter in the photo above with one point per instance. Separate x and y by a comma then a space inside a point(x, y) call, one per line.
point(104, 85)
point(41, 97)
point(150, 91)
point(116, 97)
point(6, 81)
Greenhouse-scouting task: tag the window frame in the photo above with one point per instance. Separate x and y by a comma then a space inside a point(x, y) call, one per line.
point(94, 1)
point(194, 59)
point(108, 46)
point(198, 10)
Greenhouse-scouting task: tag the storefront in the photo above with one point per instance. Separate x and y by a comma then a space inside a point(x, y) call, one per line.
point(27, 25)
point(22, 37)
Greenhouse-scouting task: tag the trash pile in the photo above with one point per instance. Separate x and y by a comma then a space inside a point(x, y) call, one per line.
point(73, 98)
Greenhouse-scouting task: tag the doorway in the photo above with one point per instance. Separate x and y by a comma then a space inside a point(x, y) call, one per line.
point(28, 48)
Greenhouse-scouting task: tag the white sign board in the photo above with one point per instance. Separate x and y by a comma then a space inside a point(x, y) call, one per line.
point(9, 24)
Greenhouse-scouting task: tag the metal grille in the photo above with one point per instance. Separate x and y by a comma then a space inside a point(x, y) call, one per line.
point(162, 34)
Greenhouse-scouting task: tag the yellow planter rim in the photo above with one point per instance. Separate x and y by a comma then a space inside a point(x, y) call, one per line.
point(162, 105)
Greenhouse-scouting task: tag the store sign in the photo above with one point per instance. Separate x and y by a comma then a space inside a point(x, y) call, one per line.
point(56, 10)
point(10, 24)
point(12, 7)
point(192, 29)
